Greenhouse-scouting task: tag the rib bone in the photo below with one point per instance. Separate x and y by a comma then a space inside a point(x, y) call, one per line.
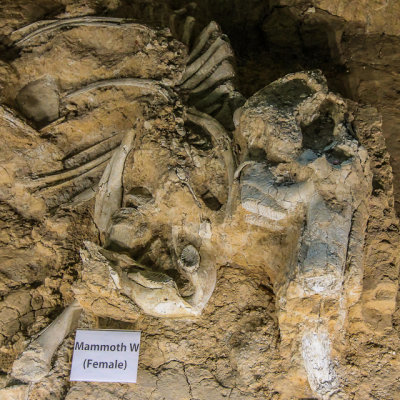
point(214, 96)
point(70, 22)
point(203, 38)
point(147, 84)
point(223, 52)
point(63, 176)
point(187, 30)
point(224, 72)
point(195, 66)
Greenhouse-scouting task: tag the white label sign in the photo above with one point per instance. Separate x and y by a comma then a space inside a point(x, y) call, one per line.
point(105, 356)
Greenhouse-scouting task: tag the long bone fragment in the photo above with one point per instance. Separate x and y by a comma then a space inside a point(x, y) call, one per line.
point(25, 30)
point(73, 185)
point(35, 361)
point(106, 144)
point(71, 22)
point(9, 116)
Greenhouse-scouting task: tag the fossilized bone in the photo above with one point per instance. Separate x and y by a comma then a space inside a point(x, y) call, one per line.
point(293, 176)
point(216, 53)
point(34, 362)
point(108, 198)
point(270, 194)
point(134, 288)
point(186, 34)
point(209, 68)
point(31, 31)
point(150, 86)
point(154, 292)
point(222, 141)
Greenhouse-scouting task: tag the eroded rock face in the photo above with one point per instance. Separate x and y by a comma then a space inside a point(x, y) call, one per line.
point(252, 259)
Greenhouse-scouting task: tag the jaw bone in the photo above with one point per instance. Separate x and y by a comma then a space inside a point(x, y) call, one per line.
point(153, 292)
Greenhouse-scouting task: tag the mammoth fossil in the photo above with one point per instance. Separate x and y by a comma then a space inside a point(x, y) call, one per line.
point(172, 160)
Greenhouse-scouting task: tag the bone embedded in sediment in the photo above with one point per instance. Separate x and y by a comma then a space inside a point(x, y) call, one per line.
point(220, 139)
point(188, 29)
point(214, 96)
point(157, 294)
point(100, 285)
point(262, 195)
point(175, 20)
point(117, 58)
point(223, 53)
point(223, 73)
point(202, 40)
point(203, 279)
point(41, 27)
point(193, 67)
point(35, 362)
point(325, 243)
point(110, 289)
point(318, 182)
point(318, 362)
point(128, 229)
point(201, 68)
point(109, 196)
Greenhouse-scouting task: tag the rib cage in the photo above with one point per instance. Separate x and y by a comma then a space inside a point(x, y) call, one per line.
point(207, 84)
